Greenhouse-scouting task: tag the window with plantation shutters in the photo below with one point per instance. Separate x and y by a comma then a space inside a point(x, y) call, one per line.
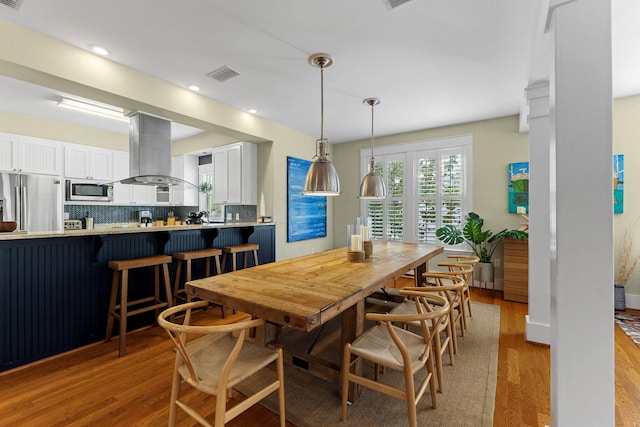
point(428, 186)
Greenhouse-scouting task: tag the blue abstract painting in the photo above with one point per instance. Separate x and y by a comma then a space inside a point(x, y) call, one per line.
point(519, 187)
point(618, 183)
point(306, 215)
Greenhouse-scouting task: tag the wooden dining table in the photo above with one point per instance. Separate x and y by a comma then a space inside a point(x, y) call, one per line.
point(305, 292)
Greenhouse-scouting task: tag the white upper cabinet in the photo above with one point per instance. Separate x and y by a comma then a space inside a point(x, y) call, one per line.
point(235, 174)
point(88, 162)
point(23, 154)
point(121, 192)
point(143, 195)
point(185, 167)
point(129, 194)
point(8, 153)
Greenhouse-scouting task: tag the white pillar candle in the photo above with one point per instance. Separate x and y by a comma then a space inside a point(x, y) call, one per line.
point(365, 233)
point(356, 242)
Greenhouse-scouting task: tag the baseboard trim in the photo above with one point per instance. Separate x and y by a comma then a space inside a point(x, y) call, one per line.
point(537, 332)
point(632, 301)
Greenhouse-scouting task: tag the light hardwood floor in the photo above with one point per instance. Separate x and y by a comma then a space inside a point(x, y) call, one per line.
point(93, 387)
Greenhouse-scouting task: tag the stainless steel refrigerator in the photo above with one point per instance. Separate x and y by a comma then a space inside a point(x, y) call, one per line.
point(34, 201)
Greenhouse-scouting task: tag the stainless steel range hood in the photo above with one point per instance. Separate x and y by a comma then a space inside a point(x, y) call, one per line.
point(150, 152)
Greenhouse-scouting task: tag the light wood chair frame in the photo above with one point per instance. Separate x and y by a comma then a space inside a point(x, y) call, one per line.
point(471, 260)
point(429, 322)
point(237, 332)
point(464, 270)
point(450, 342)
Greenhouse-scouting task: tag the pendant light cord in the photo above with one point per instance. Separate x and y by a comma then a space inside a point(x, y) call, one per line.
point(321, 102)
point(372, 138)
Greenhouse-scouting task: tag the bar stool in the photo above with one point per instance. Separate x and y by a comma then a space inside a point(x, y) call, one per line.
point(121, 279)
point(181, 257)
point(240, 249)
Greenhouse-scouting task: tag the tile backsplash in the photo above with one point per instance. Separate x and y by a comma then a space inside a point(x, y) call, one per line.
point(247, 213)
point(103, 214)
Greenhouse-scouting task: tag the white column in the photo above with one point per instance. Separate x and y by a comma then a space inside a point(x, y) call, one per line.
point(582, 351)
point(539, 318)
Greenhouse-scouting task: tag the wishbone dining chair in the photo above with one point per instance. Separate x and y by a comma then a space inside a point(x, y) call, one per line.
point(216, 361)
point(396, 348)
point(472, 260)
point(445, 286)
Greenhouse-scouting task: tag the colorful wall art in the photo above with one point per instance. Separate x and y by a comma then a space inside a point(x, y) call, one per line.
point(306, 215)
point(519, 187)
point(618, 183)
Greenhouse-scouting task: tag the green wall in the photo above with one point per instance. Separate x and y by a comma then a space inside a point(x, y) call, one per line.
point(496, 143)
point(626, 140)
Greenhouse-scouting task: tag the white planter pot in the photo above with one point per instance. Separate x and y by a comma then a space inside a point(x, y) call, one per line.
point(484, 272)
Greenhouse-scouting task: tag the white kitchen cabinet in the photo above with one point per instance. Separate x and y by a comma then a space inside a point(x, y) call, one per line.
point(143, 195)
point(121, 192)
point(235, 174)
point(30, 155)
point(185, 167)
point(8, 153)
point(86, 162)
point(130, 194)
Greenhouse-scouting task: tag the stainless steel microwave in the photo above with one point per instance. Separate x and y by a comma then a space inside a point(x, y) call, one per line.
point(86, 191)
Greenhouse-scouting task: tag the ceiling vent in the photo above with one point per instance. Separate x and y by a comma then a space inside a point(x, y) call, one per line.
point(13, 4)
point(222, 74)
point(392, 4)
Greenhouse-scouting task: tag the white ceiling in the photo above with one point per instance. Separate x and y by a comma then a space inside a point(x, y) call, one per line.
point(431, 62)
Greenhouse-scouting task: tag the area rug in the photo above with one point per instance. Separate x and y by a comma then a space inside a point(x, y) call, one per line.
point(468, 398)
point(630, 325)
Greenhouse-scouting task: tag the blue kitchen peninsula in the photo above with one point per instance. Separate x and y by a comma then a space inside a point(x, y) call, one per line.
point(54, 287)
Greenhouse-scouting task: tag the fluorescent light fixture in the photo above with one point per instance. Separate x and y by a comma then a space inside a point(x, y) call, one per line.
point(98, 110)
point(98, 50)
point(194, 88)
point(252, 111)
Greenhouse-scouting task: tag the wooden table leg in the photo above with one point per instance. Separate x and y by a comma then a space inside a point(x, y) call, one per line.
point(270, 333)
point(419, 271)
point(352, 327)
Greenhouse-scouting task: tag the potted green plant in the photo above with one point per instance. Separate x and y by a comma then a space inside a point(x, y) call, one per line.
point(205, 195)
point(205, 187)
point(483, 242)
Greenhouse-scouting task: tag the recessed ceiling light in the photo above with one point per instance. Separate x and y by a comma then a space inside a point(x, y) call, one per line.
point(98, 50)
point(252, 111)
point(193, 87)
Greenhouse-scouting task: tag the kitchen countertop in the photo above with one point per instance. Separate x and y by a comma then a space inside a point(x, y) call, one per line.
point(102, 229)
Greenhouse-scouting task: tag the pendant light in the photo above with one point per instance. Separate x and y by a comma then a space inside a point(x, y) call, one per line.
point(322, 178)
point(372, 186)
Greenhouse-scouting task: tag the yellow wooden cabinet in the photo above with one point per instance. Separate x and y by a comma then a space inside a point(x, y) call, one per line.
point(516, 270)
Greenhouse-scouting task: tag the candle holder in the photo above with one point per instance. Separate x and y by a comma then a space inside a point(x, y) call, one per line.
point(367, 244)
point(355, 250)
point(355, 256)
point(368, 249)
